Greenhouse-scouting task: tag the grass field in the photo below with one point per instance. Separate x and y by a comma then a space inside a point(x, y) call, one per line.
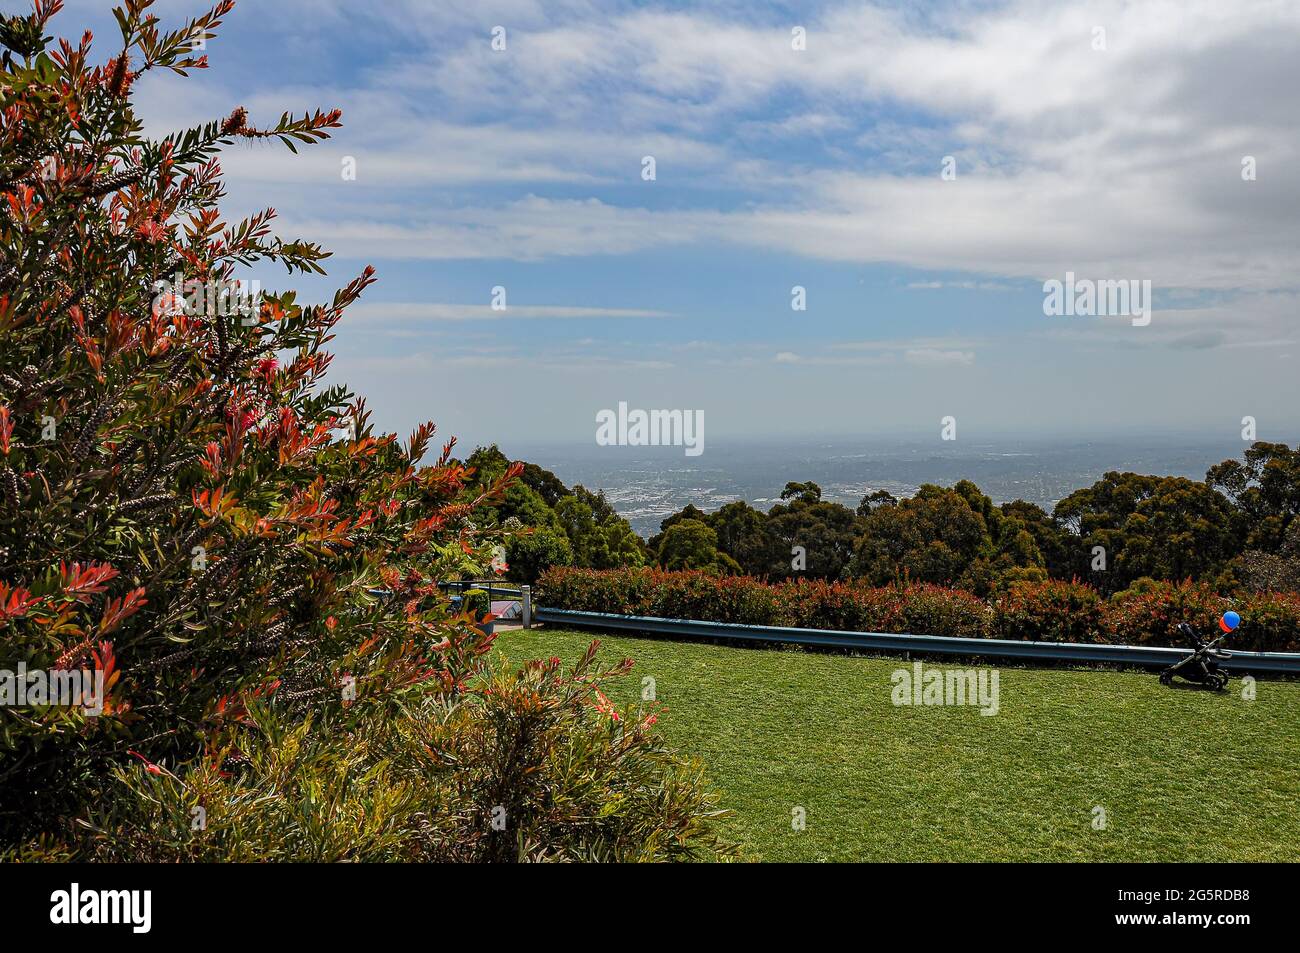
point(1180, 774)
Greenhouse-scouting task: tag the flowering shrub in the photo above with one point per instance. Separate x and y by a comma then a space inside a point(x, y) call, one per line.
point(934, 610)
point(1051, 611)
point(1149, 612)
point(1034, 611)
point(186, 506)
point(535, 764)
point(1273, 623)
point(813, 604)
point(180, 509)
point(741, 599)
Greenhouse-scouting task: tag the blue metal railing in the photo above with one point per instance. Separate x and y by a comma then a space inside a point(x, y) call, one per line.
point(1139, 655)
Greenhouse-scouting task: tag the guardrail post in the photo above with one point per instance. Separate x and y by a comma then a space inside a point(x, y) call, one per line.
point(527, 592)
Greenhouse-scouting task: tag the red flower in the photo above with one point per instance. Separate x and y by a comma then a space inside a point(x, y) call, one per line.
point(148, 765)
point(604, 705)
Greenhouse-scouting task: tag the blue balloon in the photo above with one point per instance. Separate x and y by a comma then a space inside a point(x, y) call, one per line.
point(1230, 621)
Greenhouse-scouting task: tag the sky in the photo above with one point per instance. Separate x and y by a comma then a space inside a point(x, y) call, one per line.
point(918, 169)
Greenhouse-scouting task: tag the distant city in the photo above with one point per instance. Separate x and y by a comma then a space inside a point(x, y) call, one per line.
point(647, 484)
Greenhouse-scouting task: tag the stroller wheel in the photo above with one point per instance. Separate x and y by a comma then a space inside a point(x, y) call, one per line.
point(1220, 681)
point(1166, 678)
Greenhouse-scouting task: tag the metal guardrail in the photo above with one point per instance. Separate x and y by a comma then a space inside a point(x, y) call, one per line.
point(1140, 655)
point(495, 588)
point(489, 586)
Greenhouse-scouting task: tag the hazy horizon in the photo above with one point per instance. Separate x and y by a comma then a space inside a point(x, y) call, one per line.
point(645, 484)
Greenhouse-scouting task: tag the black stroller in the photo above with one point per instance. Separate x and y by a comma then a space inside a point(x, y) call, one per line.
point(1202, 666)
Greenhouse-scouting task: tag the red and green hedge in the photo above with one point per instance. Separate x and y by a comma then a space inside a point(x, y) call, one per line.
point(1052, 611)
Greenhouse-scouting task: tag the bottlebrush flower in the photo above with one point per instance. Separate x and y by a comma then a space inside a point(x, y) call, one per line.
point(148, 765)
point(604, 705)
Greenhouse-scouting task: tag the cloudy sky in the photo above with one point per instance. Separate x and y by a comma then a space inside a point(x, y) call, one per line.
point(1102, 138)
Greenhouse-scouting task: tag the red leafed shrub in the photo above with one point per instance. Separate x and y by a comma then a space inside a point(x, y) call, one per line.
point(813, 604)
point(740, 599)
point(182, 495)
point(1272, 623)
point(934, 610)
point(1149, 612)
point(1051, 611)
point(189, 508)
point(622, 591)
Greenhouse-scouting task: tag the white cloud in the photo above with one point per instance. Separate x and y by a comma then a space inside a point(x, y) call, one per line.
point(1123, 162)
point(930, 357)
point(426, 311)
point(920, 352)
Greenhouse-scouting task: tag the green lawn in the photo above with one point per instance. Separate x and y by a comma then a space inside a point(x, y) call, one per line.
point(1181, 775)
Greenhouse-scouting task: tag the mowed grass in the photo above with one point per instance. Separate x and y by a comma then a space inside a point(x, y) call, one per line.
point(1181, 775)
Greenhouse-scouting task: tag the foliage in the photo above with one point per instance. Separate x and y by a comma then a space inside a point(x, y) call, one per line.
point(600, 538)
point(1056, 546)
point(1265, 490)
point(743, 536)
point(531, 554)
point(1052, 611)
point(825, 531)
point(1150, 611)
point(1162, 527)
point(1048, 610)
point(189, 508)
point(816, 604)
point(942, 536)
point(476, 603)
point(1235, 531)
point(741, 599)
point(692, 544)
point(940, 611)
point(534, 765)
point(547, 524)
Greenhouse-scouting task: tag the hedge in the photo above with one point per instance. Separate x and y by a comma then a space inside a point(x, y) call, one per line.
point(1052, 611)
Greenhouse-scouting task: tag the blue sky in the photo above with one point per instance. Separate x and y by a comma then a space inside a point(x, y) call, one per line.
point(1115, 155)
